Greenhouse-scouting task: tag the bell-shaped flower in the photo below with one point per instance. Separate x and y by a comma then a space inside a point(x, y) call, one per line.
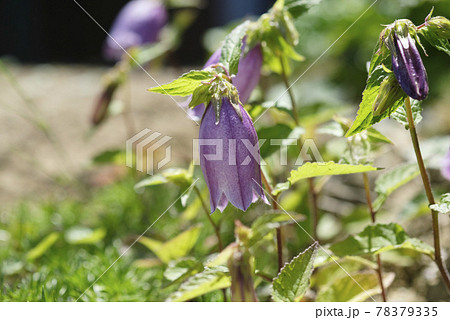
point(245, 81)
point(407, 63)
point(445, 169)
point(138, 23)
point(229, 157)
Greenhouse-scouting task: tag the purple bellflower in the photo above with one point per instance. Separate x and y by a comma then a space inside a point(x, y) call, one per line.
point(245, 81)
point(445, 169)
point(234, 175)
point(407, 63)
point(138, 23)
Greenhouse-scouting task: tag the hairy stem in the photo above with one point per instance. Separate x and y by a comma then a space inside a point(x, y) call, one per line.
point(279, 229)
point(208, 215)
point(373, 215)
point(427, 185)
point(314, 208)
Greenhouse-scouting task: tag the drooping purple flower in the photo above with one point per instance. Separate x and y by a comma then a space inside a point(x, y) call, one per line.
point(231, 162)
point(138, 23)
point(445, 169)
point(245, 81)
point(408, 66)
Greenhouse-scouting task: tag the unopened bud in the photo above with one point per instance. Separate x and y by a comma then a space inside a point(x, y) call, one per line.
point(389, 92)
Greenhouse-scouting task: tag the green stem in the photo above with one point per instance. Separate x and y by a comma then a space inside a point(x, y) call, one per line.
point(373, 216)
point(427, 185)
point(312, 194)
point(279, 229)
point(289, 90)
point(208, 215)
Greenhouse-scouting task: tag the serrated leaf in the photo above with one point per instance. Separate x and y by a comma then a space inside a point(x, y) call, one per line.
point(388, 182)
point(232, 48)
point(400, 114)
point(317, 169)
point(298, 7)
point(185, 85)
point(365, 118)
point(293, 280)
point(175, 248)
point(79, 235)
point(200, 95)
point(268, 222)
point(210, 279)
point(435, 40)
point(379, 238)
point(443, 206)
point(43, 246)
point(376, 136)
point(357, 288)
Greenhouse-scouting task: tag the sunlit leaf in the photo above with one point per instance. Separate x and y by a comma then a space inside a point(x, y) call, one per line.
point(400, 114)
point(232, 47)
point(443, 206)
point(293, 279)
point(210, 279)
point(365, 118)
point(437, 41)
point(175, 248)
point(268, 222)
point(378, 238)
point(317, 169)
point(183, 268)
point(79, 235)
point(357, 288)
point(388, 182)
point(339, 268)
point(184, 85)
point(42, 247)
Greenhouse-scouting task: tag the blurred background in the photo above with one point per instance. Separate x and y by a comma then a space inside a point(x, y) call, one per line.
point(60, 174)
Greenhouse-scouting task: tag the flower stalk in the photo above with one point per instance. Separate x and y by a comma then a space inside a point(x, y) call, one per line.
point(373, 216)
point(427, 186)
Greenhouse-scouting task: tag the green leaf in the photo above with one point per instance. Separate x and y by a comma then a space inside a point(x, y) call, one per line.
point(200, 95)
point(210, 279)
point(181, 269)
point(268, 222)
point(357, 288)
point(179, 176)
point(388, 182)
point(437, 41)
point(175, 248)
point(184, 85)
point(443, 206)
point(293, 280)
point(400, 114)
point(43, 246)
point(298, 7)
point(365, 118)
point(280, 187)
point(232, 48)
point(316, 169)
point(376, 136)
point(79, 235)
point(110, 156)
point(327, 274)
point(379, 238)
point(278, 131)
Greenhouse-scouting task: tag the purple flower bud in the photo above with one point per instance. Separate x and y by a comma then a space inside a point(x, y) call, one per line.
point(245, 80)
point(408, 66)
point(138, 23)
point(445, 169)
point(230, 162)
